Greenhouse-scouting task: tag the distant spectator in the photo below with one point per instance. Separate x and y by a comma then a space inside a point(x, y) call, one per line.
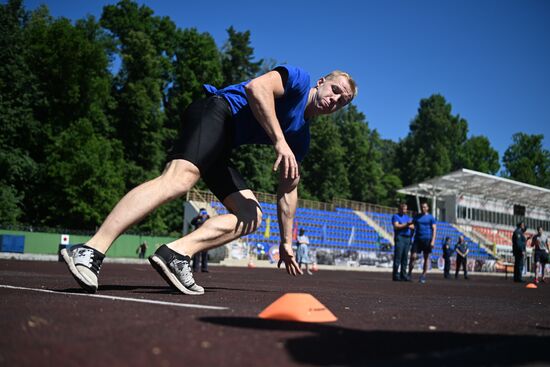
point(402, 225)
point(424, 239)
point(518, 249)
point(302, 253)
point(540, 243)
point(462, 251)
point(447, 253)
point(141, 250)
point(200, 257)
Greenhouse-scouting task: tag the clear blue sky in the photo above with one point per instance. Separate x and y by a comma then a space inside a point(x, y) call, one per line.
point(489, 58)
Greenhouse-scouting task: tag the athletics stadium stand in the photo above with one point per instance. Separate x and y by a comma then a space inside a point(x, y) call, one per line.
point(344, 230)
point(341, 229)
point(383, 220)
point(495, 236)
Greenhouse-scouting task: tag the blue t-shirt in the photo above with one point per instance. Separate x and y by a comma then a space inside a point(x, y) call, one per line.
point(423, 226)
point(401, 219)
point(289, 108)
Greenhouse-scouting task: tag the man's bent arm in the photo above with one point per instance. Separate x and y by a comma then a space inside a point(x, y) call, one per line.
point(261, 93)
point(399, 226)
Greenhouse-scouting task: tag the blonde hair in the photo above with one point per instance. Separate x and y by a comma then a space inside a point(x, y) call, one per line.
point(336, 73)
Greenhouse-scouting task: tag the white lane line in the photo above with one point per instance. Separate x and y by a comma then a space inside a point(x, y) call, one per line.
point(115, 298)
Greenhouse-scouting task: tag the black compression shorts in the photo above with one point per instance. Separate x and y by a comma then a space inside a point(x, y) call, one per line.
point(541, 256)
point(420, 245)
point(206, 140)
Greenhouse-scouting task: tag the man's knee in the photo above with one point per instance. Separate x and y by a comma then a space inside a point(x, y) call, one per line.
point(178, 178)
point(249, 218)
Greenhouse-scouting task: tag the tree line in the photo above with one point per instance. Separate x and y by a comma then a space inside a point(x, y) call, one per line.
point(89, 108)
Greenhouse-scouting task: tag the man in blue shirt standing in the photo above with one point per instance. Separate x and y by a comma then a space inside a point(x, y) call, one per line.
point(424, 239)
point(402, 225)
point(274, 108)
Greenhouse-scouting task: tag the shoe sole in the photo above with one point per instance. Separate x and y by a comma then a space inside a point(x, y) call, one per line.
point(81, 280)
point(160, 266)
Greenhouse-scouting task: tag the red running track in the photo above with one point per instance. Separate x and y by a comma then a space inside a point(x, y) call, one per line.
point(484, 321)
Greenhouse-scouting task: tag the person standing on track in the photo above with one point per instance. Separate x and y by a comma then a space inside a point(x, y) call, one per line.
point(200, 257)
point(462, 251)
point(540, 243)
point(274, 108)
point(141, 250)
point(402, 230)
point(447, 253)
point(424, 239)
point(518, 249)
point(302, 251)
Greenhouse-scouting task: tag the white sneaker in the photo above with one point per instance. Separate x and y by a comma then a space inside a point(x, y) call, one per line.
point(84, 263)
point(175, 270)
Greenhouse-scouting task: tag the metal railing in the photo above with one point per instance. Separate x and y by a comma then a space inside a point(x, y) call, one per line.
point(207, 196)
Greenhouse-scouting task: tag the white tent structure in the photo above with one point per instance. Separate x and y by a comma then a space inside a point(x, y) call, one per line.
point(474, 196)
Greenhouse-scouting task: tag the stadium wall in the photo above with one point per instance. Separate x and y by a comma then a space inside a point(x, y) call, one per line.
point(124, 246)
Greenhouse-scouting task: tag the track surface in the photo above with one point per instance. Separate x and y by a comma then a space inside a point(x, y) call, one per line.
point(484, 321)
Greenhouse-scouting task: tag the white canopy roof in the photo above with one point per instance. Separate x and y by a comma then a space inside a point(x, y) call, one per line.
point(468, 182)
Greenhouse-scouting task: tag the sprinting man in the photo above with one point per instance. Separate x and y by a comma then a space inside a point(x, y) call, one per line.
point(540, 243)
point(424, 239)
point(274, 108)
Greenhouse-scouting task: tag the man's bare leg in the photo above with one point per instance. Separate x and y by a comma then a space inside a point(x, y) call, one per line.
point(426, 259)
point(244, 218)
point(178, 177)
point(411, 263)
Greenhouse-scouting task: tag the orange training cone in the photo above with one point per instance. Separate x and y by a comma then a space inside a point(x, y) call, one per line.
point(531, 285)
point(251, 264)
point(302, 307)
point(314, 267)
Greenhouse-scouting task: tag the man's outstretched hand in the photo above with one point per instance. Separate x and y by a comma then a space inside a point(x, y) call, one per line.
point(286, 255)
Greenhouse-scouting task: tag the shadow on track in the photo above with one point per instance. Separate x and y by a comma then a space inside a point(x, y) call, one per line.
point(116, 287)
point(334, 345)
point(248, 290)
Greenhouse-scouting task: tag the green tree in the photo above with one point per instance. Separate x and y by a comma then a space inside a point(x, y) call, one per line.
point(237, 58)
point(478, 155)
point(197, 61)
point(527, 161)
point(433, 144)
point(17, 123)
point(71, 68)
point(146, 48)
point(68, 66)
point(84, 174)
point(362, 160)
point(324, 174)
